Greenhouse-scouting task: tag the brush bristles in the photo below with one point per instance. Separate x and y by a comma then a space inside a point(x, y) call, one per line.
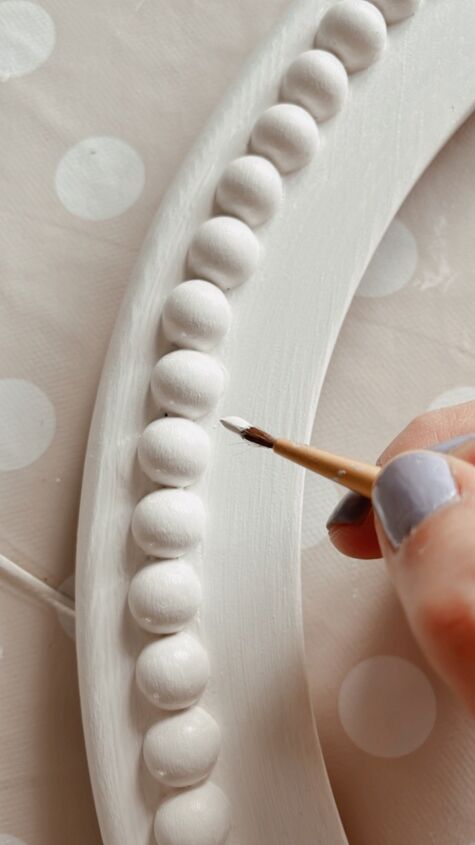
point(256, 435)
point(235, 424)
point(248, 432)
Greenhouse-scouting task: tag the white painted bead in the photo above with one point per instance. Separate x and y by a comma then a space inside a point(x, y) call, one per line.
point(397, 10)
point(167, 523)
point(164, 596)
point(173, 451)
point(224, 251)
point(355, 31)
point(182, 749)
point(172, 672)
point(196, 315)
point(317, 81)
point(286, 134)
point(250, 188)
point(199, 816)
point(188, 383)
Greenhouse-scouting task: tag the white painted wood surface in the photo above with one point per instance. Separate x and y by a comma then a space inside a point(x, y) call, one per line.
point(285, 323)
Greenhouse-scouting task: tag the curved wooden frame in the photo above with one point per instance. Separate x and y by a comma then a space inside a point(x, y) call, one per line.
point(285, 323)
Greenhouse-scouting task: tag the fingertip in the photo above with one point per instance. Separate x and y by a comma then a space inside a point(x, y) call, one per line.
point(351, 510)
point(355, 544)
point(356, 540)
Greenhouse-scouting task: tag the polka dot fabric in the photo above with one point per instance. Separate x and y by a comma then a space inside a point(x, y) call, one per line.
point(99, 178)
point(393, 264)
point(27, 423)
point(454, 396)
point(27, 38)
point(96, 120)
point(387, 707)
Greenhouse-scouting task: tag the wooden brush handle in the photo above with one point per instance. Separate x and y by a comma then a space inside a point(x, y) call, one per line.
point(355, 475)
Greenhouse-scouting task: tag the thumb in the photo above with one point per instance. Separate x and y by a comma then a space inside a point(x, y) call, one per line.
point(424, 504)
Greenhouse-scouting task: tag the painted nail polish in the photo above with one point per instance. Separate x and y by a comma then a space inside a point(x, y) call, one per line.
point(409, 489)
point(453, 443)
point(352, 510)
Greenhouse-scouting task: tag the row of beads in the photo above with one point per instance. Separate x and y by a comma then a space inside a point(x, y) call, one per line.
point(172, 672)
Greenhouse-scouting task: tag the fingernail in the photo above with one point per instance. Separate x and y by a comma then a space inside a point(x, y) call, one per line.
point(352, 510)
point(454, 443)
point(409, 489)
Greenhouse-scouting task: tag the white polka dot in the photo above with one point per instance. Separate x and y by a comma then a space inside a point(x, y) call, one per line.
point(393, 264)
point(27, 38)
point(8, 839)
point(455, 396)
point(320, 498)
point(64, 619)
point(27, 423)
point(387, 706)
point(99, 178)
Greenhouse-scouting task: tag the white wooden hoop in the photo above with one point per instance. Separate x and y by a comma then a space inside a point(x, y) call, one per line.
point(285, 324)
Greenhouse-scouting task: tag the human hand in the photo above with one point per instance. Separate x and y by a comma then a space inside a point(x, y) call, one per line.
point(422, 521)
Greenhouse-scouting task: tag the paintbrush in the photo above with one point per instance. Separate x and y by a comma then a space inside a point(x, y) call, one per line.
point(355, 475)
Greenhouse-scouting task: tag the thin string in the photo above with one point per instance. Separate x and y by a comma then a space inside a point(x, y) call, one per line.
point(24, 581)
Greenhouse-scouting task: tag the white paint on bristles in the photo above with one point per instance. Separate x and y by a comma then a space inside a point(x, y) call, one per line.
point(235, 424)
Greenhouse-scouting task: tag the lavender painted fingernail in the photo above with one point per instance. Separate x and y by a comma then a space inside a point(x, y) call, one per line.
point(352, 510)
point(409, 489)
point(453, 443)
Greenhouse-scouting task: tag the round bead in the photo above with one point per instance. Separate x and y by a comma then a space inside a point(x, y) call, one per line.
point(182, 749)
point(167, 523)
point(250, 188)
point(317, 81)
point(173, 672)
point(199, 816)
point(286, 134)
point(196, 315)
point(225, 251)
point(173, 451)
point(397, 10)
point(188, 383)
point(355, 31)
point(164, 596)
